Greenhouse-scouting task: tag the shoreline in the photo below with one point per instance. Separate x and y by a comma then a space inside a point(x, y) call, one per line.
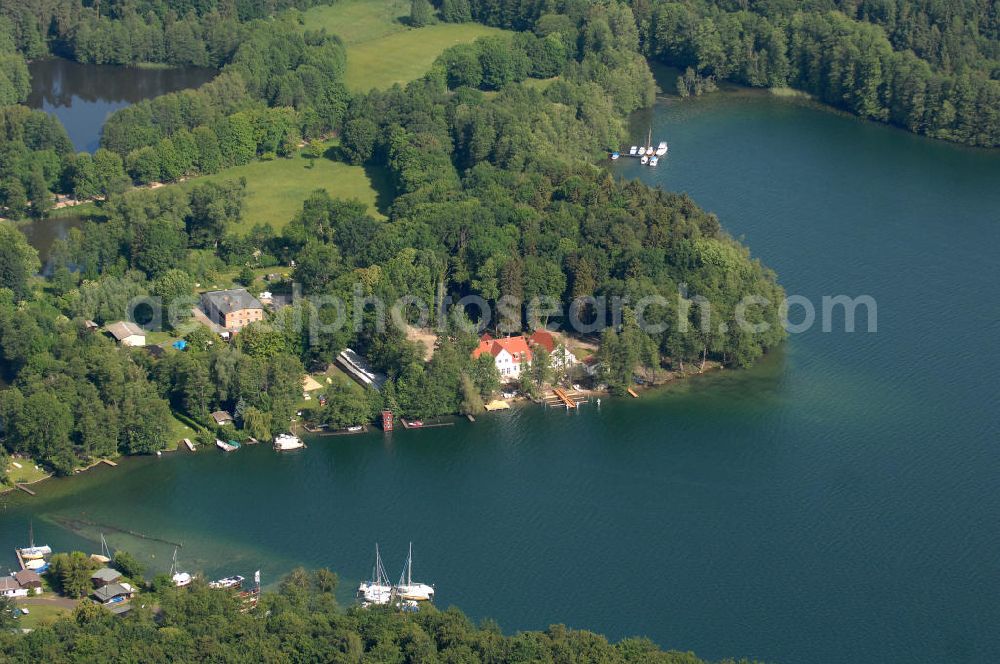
point(676, 377)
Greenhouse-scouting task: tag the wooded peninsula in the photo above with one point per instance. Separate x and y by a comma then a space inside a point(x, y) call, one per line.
point(494, 190)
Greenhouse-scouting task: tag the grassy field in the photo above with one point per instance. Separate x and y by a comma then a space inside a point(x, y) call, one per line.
point(26, 474)
point(276, 189)
point(40, 614)
point(381, 48)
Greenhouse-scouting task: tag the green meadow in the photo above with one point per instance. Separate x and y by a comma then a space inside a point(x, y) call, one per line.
point(276, 189)
point(381, 48)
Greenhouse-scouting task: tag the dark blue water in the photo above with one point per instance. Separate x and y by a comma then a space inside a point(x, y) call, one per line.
point(83, 96)
point(837, 503)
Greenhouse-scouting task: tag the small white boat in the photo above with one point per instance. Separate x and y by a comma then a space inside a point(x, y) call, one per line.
point(644, 160)
point(661, 149)
point(407, 589)
point(654, 160)
point(36, 565)
point(632, 151)
point(231, 446)
point(228, 583)
point(288, 442)
point(615, 155)
point(356, 428)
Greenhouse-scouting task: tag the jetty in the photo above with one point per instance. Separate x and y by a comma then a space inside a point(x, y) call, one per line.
point(25, 489)
point(565, 398)
point(633, 393)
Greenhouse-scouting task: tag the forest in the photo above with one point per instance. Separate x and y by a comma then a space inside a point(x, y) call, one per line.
point(496, 194)
point(301, 622)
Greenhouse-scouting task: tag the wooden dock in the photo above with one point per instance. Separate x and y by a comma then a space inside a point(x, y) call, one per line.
point(565, 398)
point(558, 391)
point(25, 489)
point(20, 560)
point(110, 463)
point(633, 393)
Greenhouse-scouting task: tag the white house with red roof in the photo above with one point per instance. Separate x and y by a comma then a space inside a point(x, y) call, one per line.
point(512, 355)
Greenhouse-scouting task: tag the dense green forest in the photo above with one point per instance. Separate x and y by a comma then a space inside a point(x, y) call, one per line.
point(928, 66)
point(496, 194)
point(301, 622)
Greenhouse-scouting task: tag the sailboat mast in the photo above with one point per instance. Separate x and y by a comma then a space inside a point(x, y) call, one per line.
point(409, 566)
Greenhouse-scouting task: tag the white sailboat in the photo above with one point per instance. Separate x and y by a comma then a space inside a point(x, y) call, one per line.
point(407, 589)
point(32, 552)
point(378, 590)
point(179, 578)
point(288, 442)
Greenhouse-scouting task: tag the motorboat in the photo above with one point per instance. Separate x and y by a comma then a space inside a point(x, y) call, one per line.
point(632, 151)
point(644, 160)
point(654, 160)
point(661, 149)
point(615, 155)
point(230, 582)
point(287, 441)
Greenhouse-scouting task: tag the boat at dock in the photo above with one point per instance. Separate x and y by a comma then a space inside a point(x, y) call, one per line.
point(615, 155)
point(654, 160)
point(231, 446)
point(408, 590)
point(632, 151)
point(287, 441)
point(377, 590)
point(661, 149)
point(234, 582)
point(644, 160)
point(35, 552)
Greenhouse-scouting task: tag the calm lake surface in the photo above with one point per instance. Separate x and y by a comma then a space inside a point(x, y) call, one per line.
point(837, 503)
point(83, 96)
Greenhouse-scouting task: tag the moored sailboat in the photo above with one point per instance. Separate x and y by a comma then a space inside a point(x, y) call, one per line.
point(179, 578)
point(407, 589)
point(378, 590)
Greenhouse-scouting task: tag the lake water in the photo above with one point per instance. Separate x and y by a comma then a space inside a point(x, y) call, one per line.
point(83, 96)
point(838, 502)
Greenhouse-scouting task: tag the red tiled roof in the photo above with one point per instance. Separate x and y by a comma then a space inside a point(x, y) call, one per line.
point(543, 338)
point(513, 345)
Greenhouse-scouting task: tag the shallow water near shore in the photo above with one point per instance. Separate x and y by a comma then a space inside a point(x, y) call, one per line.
point(836, 503)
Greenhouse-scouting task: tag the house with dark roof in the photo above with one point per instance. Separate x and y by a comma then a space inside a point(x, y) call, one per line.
point(105, 576)
point(9, 587)
point(29, 580)
point(113, 593)
point(233, 309)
